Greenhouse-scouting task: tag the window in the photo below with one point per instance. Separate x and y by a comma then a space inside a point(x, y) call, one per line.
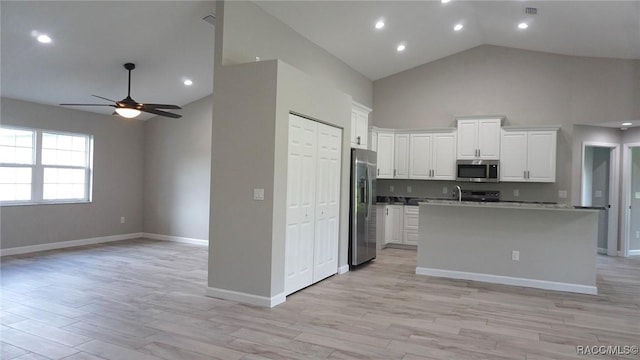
point(41, 166)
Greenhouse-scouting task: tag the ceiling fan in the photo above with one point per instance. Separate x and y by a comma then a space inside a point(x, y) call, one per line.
point(129, 108)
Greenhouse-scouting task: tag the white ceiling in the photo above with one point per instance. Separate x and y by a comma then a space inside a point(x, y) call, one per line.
point(168, 40)
point(346, 29)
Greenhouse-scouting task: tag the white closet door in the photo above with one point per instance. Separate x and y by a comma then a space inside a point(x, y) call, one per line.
point(327, 202)
point(301, 191)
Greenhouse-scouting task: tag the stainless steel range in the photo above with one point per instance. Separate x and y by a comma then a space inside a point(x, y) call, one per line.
point(481, 195)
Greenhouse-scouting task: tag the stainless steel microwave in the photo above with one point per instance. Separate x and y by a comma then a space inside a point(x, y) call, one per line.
point(478, 170)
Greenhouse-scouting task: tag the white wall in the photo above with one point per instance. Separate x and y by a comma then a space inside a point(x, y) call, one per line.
point(249, 32)
point(117, 179)
point(177, 164)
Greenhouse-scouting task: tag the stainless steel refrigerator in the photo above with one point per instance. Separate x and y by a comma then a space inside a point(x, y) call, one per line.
point(362, 224)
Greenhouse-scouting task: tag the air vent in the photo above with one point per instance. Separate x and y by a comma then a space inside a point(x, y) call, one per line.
point(530, 10)
point(211, 19)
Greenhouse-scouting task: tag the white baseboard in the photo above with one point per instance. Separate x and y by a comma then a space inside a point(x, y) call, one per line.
point(508, 280)
point(343, 269)
point(67, 244)
point(634, 252)
point(602, 251)
point(176, 239)
point(246, 298)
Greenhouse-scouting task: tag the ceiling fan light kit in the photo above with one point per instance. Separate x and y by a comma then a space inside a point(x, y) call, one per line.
point(129, 108)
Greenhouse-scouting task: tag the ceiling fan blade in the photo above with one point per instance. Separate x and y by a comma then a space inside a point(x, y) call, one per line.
point(161, 113)
point(160, 106)
point(102, 97)
point(87, 105)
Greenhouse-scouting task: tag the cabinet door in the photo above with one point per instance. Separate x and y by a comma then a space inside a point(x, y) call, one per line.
point(513, 156)
point(420, 156)
point(541, 156)
point(443, 161)
point(489, 139)
point(327, 211)
point(373, 140)
point(467, 139)
point(401, 160)
point(362, 127)
point(301, 192)
point(393, 224)
point(410, 237)
point(385, 155)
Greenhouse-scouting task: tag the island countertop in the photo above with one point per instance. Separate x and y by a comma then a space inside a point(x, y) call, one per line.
point(510, 204)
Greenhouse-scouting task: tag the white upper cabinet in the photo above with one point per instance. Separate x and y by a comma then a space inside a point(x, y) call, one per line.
point(373, 140)
point(359, 125)
point(386, 149)
point(420, 154)
point(401, 158)
point(432, 156)
point(528, 155)
point(479, 138)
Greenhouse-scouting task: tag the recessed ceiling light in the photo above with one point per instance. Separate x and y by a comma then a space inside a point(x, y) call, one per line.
point(44, 38)
point(401, 47)
point(444, 1)
point(458, 27)
point(379, 24)
point(626, 124)
point(188, 82)
point(523, 26)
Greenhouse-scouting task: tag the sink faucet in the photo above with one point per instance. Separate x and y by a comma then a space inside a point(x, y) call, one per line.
point(459, 193)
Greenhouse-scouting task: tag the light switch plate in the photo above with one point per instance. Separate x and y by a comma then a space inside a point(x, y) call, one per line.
point(445, 190)
point(258, 194)
point(409, 189)
point(638, 195)
point(391, 188)
point(516, 192)
point(562, 194)
point(598, 193)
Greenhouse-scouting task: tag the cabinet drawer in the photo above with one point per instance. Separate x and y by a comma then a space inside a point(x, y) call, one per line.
point(409, 209)
point(411, 222)
point(410, 237)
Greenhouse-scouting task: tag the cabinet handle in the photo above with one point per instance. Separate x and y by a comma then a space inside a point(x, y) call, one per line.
point(478, 152)
point(387, 212)
point(358, 139)
point(378, 171)
point(394, 172)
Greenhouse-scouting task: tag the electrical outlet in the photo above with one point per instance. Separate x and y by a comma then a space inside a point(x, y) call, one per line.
point(516, 192)
point(409, 189)
point(445, 190)
point(515, 255)
point(637, 234)
point(122, 219)
point(598, 193)
point(258, 194)
point(562, 194)
point(391, 188)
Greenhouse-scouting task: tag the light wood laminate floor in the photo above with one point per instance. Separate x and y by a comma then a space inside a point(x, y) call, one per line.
point(144, 299)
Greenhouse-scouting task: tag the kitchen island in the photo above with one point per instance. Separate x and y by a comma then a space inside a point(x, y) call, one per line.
point(546, 246)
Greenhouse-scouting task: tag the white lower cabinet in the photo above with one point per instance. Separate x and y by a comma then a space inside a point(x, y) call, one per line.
point(400, 224)
point(313, 194)
point(410, 233)
point(393, 224)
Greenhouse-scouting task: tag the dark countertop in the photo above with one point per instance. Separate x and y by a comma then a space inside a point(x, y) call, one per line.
point(413, 201)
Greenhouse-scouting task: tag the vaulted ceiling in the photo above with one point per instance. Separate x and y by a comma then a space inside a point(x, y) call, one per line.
point(169, 42)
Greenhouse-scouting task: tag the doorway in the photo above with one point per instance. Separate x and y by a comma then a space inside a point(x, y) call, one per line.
point(631, 193)
point(600, 189)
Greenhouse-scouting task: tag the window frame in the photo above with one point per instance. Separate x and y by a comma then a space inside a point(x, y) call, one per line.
point(37, 169)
